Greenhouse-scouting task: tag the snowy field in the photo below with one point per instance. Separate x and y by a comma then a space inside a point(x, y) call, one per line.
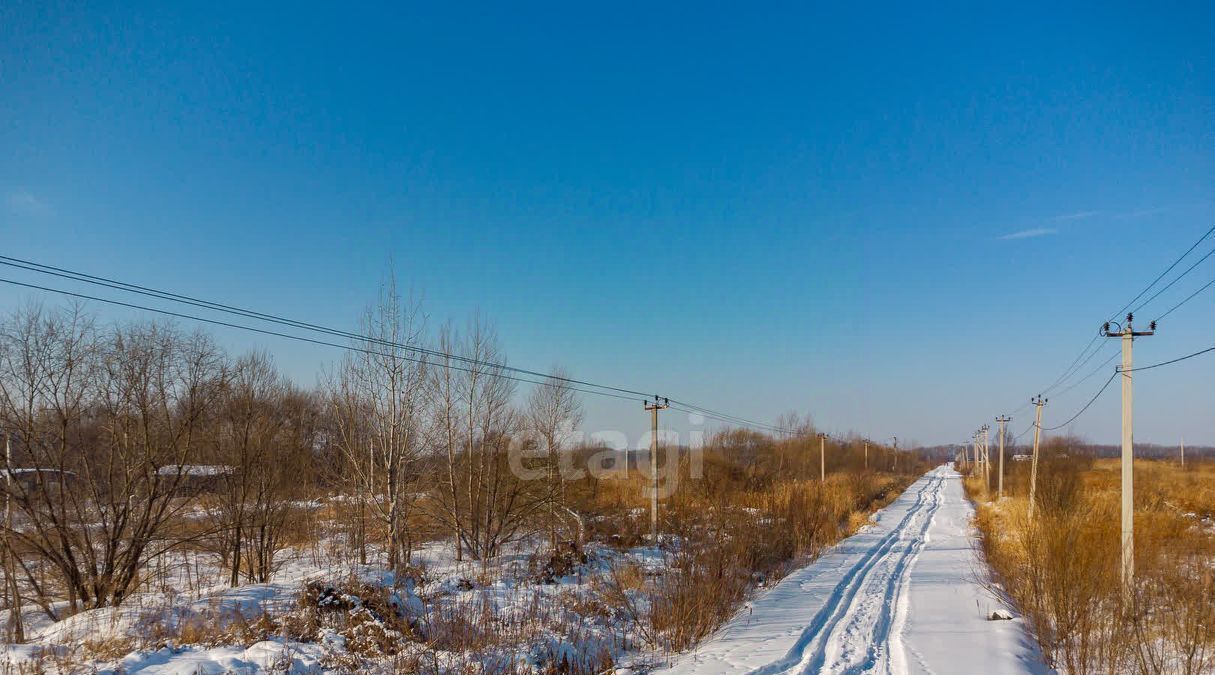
point(903, 596)
point(534, 619)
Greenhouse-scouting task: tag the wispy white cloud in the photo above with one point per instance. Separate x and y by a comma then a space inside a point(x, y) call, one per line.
point(1078, 215)
point(24, 203)
point(1030, 233)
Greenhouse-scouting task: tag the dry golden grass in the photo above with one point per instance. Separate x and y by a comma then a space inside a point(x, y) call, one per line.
point(1062, 569)
point(738, 534)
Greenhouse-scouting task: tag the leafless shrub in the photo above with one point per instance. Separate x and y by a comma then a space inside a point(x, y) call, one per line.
point(1062, 569)
point(107, 424)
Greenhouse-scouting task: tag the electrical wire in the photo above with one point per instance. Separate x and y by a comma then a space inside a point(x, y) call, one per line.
point(1172, 361)
point(1176, 262)
point(1079, 366)
point(575, 385)
point(271, 318)
point(1073, 367)
point(253, 314)
point(1086, 405)
point(1088, 377)
point(731, 418)
point(1176, 279)
point(1141, 305)
point(1027, 430)
point(300, 338)
point(1191, 297)
point(1117, 371)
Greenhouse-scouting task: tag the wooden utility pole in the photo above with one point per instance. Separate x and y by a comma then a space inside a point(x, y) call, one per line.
point(1127, 334)
point(1002, 420)
point(1183, 452)
point(1038, 402)
point(658, 404)
point(822, 457)
point(867, 454)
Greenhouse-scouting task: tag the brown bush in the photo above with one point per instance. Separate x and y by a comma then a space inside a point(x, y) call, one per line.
point(1063, 569)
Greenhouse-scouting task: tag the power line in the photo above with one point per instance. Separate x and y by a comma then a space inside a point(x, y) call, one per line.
point(741, 420)
point(1191, 297)
point(1172, 361)
point(1079, 365)
point(1073, 367)
point(1088, 377)
point(1027, 430)
point(1175, 280)
point(757, 426)
point(300, 338)
point(1176, 262)
point(1086, 405)
point(724, 417)
point(263, 316)
point(271, 318)
point(601, 390)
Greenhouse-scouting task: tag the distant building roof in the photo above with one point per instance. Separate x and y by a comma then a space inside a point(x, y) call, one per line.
point(196, 470)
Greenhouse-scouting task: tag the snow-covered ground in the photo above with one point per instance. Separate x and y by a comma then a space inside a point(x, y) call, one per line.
point(905, 595)
point(528, 613)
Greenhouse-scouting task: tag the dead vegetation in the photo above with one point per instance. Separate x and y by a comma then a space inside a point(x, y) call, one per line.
point(148, 464)
point(1062, 569)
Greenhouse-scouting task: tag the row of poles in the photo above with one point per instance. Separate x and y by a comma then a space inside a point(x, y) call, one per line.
point(977, 450)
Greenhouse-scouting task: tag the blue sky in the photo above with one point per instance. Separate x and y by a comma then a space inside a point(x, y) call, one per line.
point(902, 220)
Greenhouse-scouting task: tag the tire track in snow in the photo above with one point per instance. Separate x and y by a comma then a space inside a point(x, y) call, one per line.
point(852, 631)
point(886, 646)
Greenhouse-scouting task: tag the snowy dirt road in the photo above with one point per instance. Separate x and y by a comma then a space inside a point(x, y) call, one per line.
point(902, 596)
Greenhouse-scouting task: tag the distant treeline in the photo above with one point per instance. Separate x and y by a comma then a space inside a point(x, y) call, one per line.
point(1147, 450)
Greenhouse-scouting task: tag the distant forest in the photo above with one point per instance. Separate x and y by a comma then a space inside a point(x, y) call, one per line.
point(1146, 450)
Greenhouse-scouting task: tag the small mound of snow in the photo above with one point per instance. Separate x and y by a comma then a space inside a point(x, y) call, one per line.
point(265, 656)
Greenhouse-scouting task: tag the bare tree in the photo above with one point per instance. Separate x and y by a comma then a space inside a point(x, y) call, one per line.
point(265, 430)
point(500, 505)
point(379, 399)
point(448, 431)
point(553, 411)
point(106, 427)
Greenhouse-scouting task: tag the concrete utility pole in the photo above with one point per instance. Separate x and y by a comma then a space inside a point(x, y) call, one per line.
point(986, 460)
point(658, 404)
point(822, 457)
point(1127, 334)
point(1002, 420)
point(1033, 468)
